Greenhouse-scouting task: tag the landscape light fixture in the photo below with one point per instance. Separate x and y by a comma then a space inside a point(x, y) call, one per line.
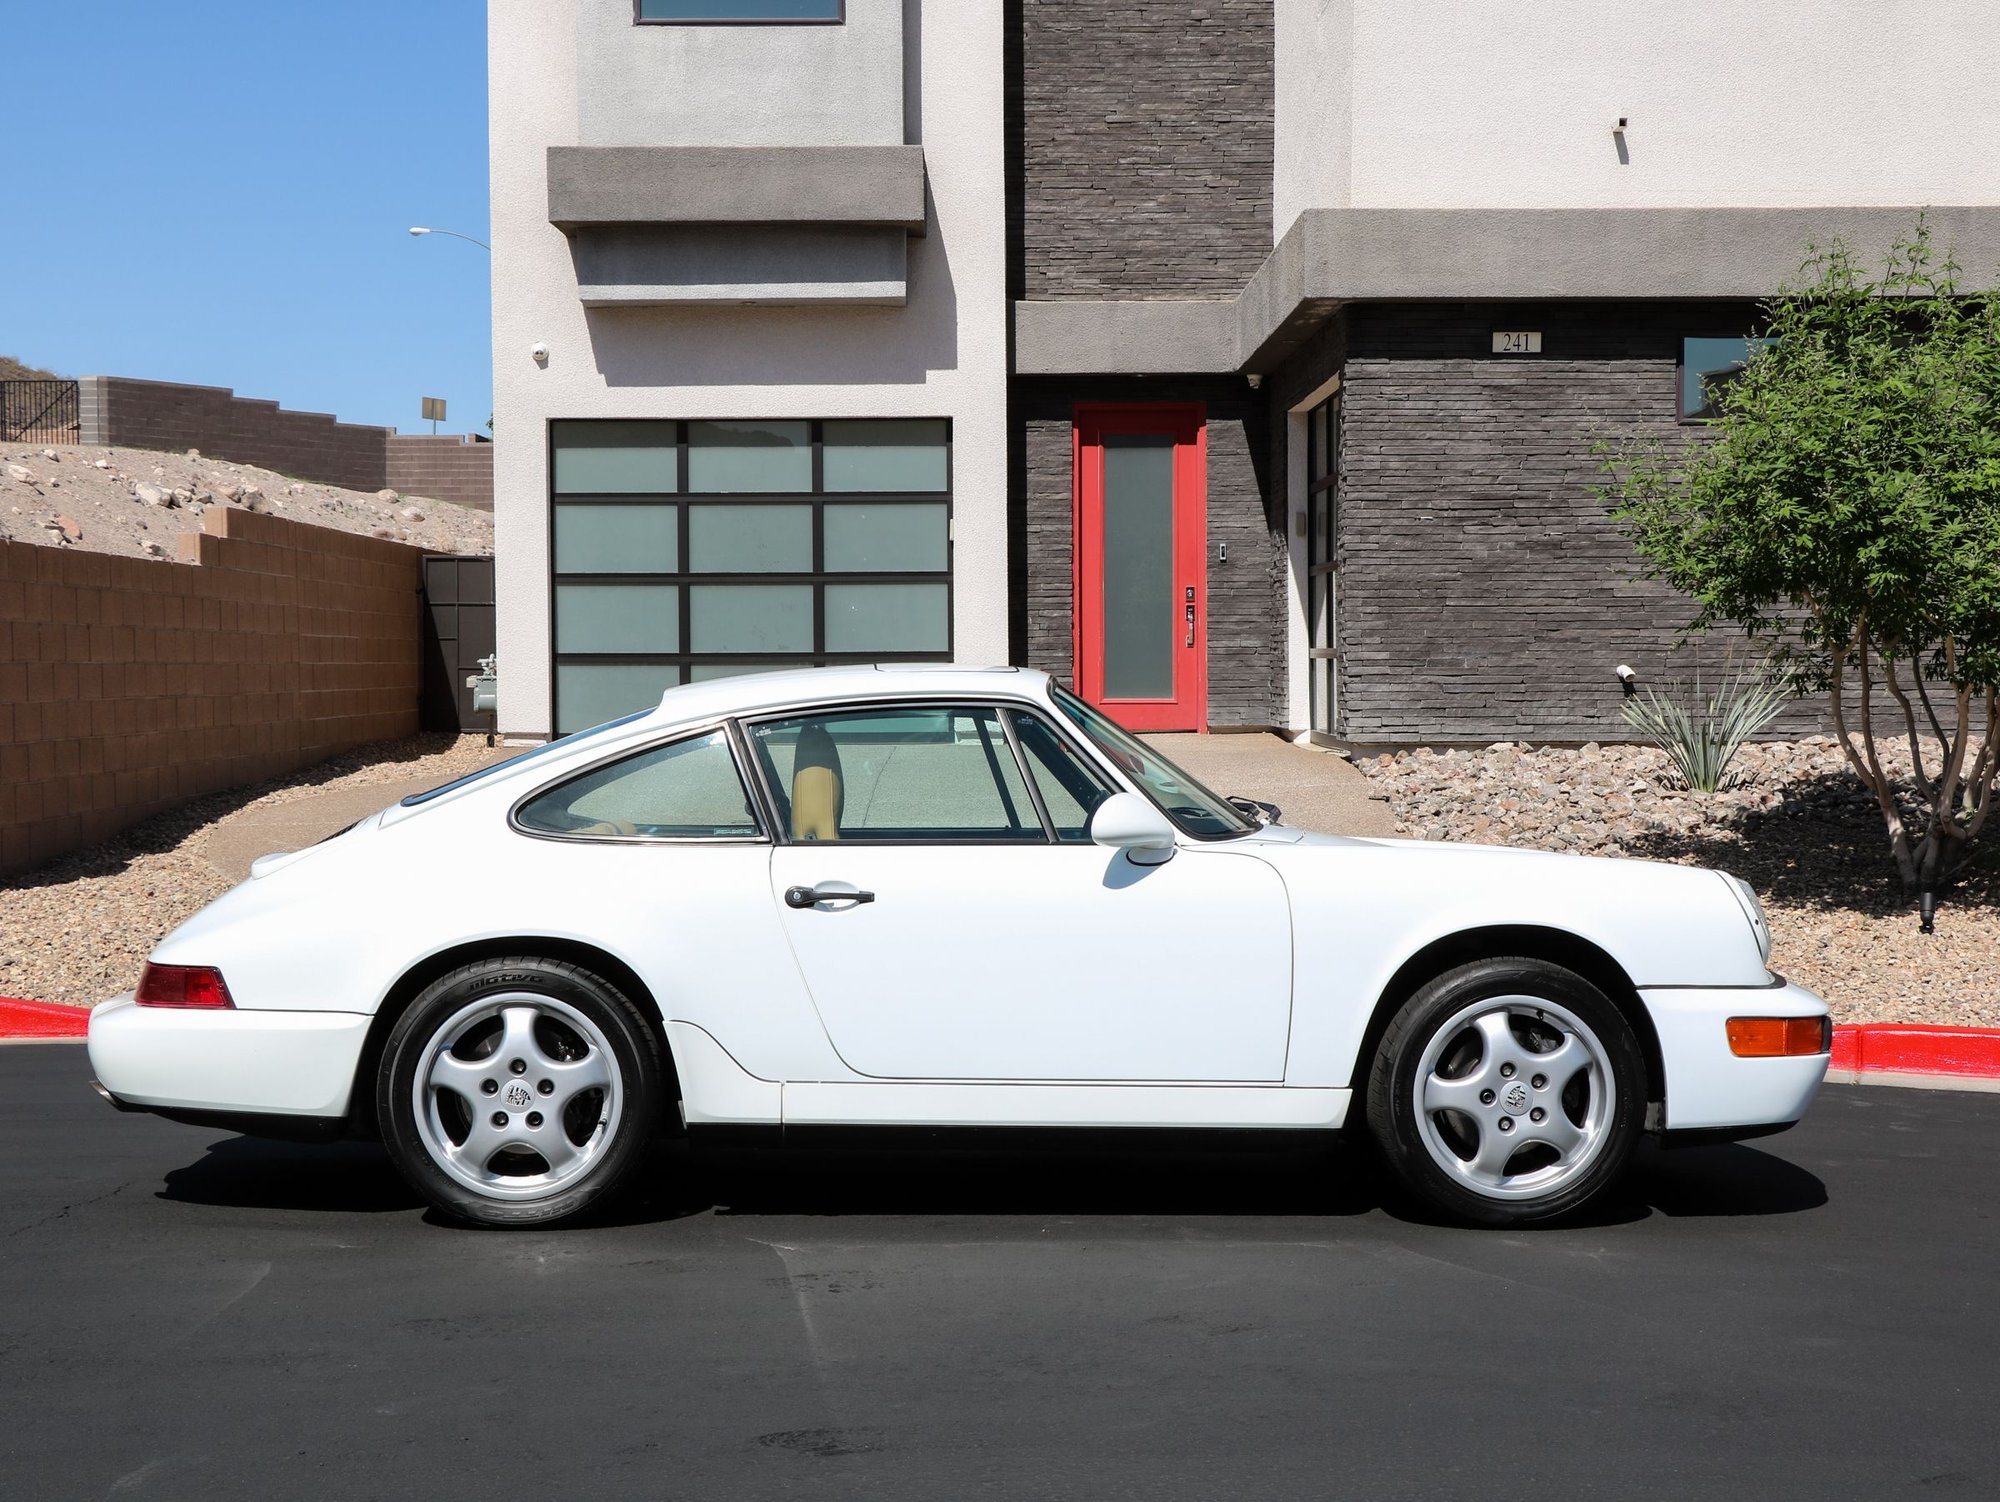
point(423, 229)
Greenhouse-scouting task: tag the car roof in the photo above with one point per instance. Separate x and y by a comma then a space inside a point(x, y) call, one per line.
point(753, 693)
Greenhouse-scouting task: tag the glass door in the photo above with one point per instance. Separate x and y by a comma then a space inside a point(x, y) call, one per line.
point(1322, 582)
point(1141, 583)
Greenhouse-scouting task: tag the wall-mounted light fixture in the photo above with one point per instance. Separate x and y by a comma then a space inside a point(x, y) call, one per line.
point(1618, 140)
point(1627, 679)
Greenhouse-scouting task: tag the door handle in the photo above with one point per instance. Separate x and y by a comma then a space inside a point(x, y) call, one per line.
point(1190, 623)
point(826, 891)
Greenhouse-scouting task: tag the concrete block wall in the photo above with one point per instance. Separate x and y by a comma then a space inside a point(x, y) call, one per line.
point(305, 445)
point(445, 468)
point(1140, 146)
point(1246, 620)
point(164, 415)
point(128, 685)
point(1485, 594)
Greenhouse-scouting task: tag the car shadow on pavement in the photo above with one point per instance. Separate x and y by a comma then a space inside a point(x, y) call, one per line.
point(1726, 1180)
point(259, 1174)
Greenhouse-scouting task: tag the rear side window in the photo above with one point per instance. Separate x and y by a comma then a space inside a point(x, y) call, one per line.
point(688, 790)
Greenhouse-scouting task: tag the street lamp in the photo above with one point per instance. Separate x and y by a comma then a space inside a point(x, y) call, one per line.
point(418, 229)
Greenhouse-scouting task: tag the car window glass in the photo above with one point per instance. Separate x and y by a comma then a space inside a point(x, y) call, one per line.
point(686, 790)
point(1184, 800)
point(1070, 788)
point(940, 774)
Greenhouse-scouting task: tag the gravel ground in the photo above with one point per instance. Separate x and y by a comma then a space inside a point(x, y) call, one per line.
point(77, 930)
point(1799, 827)
point(137, 501)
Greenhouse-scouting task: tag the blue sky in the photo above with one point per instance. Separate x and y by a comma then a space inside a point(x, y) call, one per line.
point(219, 191)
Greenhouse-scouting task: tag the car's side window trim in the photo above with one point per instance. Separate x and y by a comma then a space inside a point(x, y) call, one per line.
point(780, 826)
point(1007, 713)
point(1106, 783)
point(681, 735)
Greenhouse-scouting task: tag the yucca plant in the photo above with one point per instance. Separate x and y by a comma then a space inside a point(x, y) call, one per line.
point(1702, 734)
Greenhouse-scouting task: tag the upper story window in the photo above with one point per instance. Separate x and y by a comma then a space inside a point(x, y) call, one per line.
point(741, 12)
point(1707, 365)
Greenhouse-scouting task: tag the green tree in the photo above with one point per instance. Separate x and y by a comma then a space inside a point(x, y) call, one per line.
point(1848, 508)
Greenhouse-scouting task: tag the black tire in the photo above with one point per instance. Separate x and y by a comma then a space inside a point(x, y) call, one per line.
point(1533, 1142)
point(565, 1027)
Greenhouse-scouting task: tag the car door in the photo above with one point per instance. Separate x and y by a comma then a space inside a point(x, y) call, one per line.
point(953, 921)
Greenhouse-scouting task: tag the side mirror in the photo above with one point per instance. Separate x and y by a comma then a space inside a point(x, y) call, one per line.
point(1127, 822)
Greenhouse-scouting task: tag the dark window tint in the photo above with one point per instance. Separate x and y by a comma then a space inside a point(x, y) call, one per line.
point(687, 790)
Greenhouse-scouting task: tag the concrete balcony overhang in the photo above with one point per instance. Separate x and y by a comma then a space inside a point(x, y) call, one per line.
point(664, 225)
point(1334, 256)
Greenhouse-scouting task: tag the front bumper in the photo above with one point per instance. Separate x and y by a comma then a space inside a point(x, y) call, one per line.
point(226, 1061)
point(1708, 1087)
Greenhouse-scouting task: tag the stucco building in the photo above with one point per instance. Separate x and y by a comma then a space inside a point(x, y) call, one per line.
point(1241, 362)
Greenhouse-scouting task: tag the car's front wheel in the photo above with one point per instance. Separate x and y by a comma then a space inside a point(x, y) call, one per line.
point(518, 1091)
point(1507, 1092)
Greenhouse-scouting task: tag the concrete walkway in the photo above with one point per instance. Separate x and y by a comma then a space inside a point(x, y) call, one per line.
point(239, 838)
point(1316, 789)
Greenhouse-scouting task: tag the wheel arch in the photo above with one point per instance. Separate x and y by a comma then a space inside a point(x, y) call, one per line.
point(412, 982)
point(1509, 941)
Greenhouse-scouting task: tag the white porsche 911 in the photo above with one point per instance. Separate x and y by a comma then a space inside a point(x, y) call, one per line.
point(932, 897)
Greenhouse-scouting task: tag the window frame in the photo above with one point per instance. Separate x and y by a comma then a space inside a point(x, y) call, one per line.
point(780, 826)
point(1681, 414)
point(683, 661)
point(732, 736)
point(838, 18)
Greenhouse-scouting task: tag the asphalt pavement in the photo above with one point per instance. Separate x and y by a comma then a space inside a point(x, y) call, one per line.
point(184, 1313)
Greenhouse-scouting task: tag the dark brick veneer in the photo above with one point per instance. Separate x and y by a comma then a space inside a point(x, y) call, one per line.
point(1484, 593)
point(1246, 617)
point(1139, 146)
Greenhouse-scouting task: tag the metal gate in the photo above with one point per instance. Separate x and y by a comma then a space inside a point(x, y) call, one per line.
point(38, 411)
point(458, 631)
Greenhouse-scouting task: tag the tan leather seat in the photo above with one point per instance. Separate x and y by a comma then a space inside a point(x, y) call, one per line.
point(818, 796)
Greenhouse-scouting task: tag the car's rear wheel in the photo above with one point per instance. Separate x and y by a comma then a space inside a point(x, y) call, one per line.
point(1507, 1092)
point(518, 1091)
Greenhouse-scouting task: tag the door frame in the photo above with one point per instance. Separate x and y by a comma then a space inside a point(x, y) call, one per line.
point(1187, 424)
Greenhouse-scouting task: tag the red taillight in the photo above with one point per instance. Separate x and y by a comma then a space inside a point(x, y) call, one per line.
point(182, 986)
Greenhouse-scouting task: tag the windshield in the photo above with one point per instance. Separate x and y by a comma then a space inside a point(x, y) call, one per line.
point(1190, 805)
point(561, 743)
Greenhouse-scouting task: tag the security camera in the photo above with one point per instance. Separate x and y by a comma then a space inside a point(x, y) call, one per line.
point(539, 353)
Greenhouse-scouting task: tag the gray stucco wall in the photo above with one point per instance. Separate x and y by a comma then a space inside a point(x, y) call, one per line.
point(739, 85)
point(1140, 146)
point(1245, 633)
point(1484, 594)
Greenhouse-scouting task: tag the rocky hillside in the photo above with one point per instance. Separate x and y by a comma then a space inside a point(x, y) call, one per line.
point(12, 369)
point(137, 501)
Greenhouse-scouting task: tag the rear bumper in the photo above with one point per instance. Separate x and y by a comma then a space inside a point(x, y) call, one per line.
point(1708, 1087)
point(298, 1064)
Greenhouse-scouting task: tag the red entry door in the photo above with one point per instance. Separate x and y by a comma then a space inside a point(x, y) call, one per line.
point(1141, 581)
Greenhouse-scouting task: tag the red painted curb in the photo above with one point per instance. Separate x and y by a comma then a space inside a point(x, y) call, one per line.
point(1873, 1047)
point(1905, 1048)
point(41, 1019)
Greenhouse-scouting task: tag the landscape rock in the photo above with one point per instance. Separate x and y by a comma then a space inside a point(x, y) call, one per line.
point(21, 473)
point(411, 513)
point(152, 495)
point(67, 526)
point(388, 496)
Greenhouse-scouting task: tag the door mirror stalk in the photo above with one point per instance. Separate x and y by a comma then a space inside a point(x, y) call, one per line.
point(1127, 822)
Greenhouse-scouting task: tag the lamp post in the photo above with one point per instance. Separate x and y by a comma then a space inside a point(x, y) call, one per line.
point(419, 229)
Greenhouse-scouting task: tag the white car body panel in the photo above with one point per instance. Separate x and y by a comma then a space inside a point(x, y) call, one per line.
point(943, 976)
point(275, 1063)
point(1232, 985)
point(1712, 1088)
